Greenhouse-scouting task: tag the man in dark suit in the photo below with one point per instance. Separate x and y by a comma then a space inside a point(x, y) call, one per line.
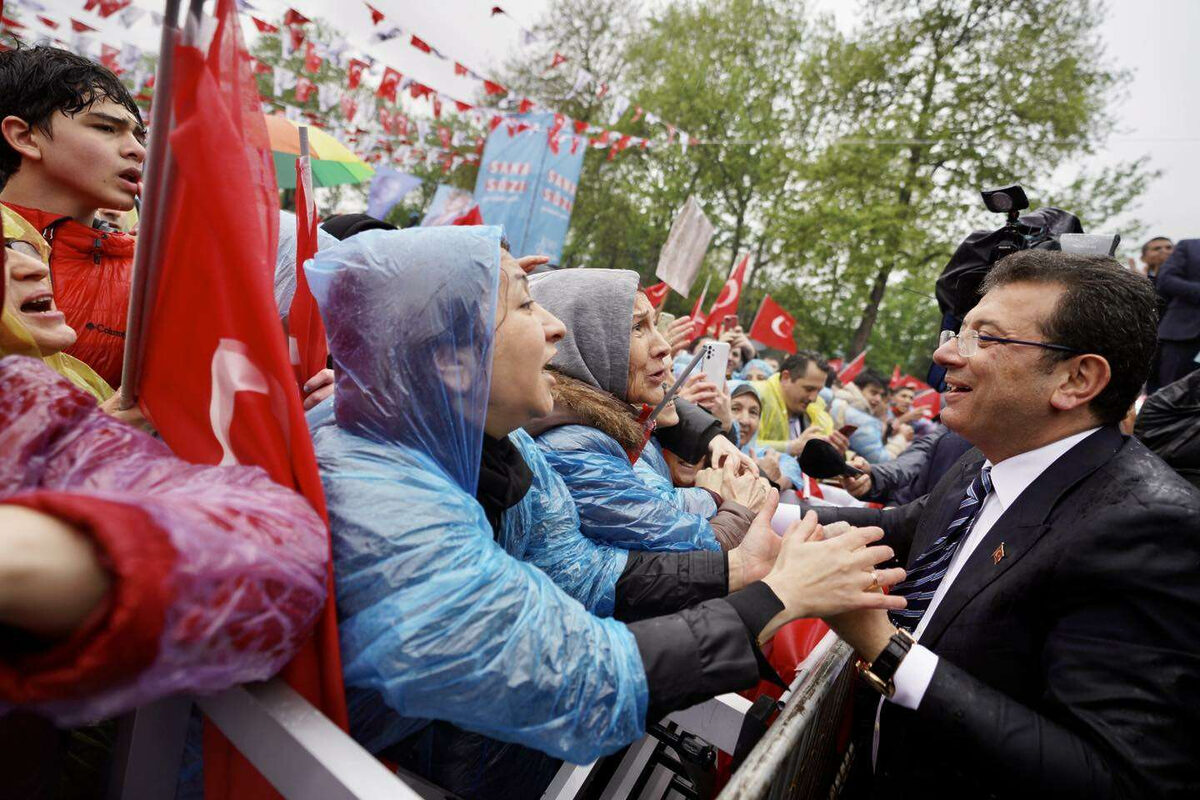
point(1053, 573)
point(1179, 332)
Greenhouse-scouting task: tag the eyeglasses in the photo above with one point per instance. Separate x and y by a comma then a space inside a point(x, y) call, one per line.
point(968, 342)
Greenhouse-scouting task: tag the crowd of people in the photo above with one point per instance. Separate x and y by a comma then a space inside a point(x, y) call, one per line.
point(525, 572)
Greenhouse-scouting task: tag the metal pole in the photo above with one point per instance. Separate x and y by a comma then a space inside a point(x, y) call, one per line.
point(152, 213)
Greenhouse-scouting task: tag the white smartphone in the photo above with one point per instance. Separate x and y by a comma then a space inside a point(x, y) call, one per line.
point(716, 359)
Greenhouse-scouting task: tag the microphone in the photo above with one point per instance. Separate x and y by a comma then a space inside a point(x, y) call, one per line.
point(822, 460)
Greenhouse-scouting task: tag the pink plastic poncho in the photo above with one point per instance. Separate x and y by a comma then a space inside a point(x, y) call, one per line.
point(218, 572)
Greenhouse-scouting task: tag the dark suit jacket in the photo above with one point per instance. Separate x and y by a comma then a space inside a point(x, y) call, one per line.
point(1179, 282)
point(1071, 666)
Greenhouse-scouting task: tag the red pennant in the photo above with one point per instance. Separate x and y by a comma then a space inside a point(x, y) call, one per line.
point(525, 106)
point(264, 27)
point(295, 36)
point(385, 118)
point(472, 217)
point(354, 73)
point(437, 106)
point(461, 106)
point(495, 122)
point(498, 10)
point(216, 333)
point(895, 377)
point(559, 58)
point(312, 61)
point(376, 14)
point(419, 90)
point(459, 69)
point(348, 107)
point(91, 5)
point(657, 294)
point(110, 7)
point(304, 89)
point(108, 57)
point(699, 321)
point(9, 22)
point(491, 88)
point(773, 326)
point(444, 135)
point(294, 17)
point(727, 301)
point(580, 126)
point(49, 23)
point(76, 26)
point(387, 86)
point(420, 44)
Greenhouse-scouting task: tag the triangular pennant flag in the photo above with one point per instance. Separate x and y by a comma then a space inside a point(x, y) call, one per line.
point(263, 26)
point(78, 26)
point(312, 61)
point(459, 69)
point(294, 17)
point(354, 73)
point(376, 14)
point(420, 44)
point(492, 88)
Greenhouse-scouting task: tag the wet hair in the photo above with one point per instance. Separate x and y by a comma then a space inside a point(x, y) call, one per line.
point(797, 364)
point(1149, 242)
point(1104, 309)
point(38, 82)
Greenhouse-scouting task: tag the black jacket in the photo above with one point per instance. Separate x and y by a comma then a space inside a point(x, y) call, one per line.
point(1179, 282)
point(1069, 667)
point(1169, 424)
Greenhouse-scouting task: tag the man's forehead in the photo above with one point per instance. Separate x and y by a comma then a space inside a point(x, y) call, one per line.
point(1015, 305)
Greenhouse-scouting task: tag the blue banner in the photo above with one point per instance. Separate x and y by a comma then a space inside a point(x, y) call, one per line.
point(388, 187)
point(527, 182)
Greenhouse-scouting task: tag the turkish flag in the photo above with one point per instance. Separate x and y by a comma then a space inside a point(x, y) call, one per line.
point(699, 321)
point(895, 377)
point(491, 88)
point(348, 107)
point(306, 333)
point(908, 381)
point(929, 398)
point(420, 44)
point(773, 326)
point(264, 27)
point(657, 294)
point(387, 86)
point(79, 27)
point(727, 301)
point(851, 370)
point(376, 14)
point(354, 71)
point(108, 57)
point(110, 7)
point(217, 382)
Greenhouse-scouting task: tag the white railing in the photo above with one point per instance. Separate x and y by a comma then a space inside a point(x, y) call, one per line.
point(306, 757)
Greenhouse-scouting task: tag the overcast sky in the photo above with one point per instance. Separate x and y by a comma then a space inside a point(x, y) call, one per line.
point(1153, 38)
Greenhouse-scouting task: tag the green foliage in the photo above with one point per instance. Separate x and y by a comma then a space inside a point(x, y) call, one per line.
point(847, 164)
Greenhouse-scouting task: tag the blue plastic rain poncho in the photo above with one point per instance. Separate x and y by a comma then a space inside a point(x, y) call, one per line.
point(867, 439)
point(437, 621)
point(653, 469)
point(754, 365)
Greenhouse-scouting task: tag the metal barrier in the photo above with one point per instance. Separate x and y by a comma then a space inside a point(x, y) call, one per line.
point(798, 757)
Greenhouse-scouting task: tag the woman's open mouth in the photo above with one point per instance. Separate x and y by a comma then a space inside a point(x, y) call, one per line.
point(41, 303)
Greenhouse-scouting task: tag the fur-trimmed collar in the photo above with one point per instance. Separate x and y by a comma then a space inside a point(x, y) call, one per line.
point(579, 403)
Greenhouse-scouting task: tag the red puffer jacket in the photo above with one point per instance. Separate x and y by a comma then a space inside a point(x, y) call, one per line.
point(91, 270)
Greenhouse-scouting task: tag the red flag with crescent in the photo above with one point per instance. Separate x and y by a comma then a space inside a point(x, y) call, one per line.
point(727, 301)
point(773, 326)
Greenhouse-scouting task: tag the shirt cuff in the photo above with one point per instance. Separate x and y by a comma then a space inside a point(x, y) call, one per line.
point(912, 677)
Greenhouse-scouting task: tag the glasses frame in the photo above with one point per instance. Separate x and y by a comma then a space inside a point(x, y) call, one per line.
point(947, 335)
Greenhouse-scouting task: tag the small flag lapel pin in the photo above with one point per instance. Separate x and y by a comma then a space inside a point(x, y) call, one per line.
point(998, 554)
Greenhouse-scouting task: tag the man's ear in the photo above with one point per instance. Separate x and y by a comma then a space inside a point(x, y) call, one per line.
point(20, 136)
point(1084, 378)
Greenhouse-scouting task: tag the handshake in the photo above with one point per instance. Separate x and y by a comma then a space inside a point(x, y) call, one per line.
point(832, 573)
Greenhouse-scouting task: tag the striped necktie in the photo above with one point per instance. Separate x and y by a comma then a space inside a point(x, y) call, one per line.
point(930, 567)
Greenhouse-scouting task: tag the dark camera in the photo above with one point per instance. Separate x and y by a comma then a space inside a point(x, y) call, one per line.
point(1005, 200)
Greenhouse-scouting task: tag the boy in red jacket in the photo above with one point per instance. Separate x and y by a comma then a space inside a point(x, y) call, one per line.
point(72, 142)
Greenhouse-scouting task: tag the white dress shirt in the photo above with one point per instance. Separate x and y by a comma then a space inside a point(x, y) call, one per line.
point(1009, 479)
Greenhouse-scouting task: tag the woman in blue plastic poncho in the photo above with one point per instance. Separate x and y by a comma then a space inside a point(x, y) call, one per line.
point(611, 361)
point(438, 620)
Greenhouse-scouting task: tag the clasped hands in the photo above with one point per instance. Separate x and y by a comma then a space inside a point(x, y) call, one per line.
point(816, 573)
